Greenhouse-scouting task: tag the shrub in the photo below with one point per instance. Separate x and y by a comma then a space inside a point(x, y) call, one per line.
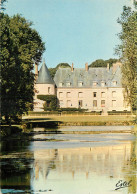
point(119, 112)
point(71, 109)
point(50, 101)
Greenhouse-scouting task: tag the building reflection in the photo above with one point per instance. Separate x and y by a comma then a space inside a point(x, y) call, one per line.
point(107, 160)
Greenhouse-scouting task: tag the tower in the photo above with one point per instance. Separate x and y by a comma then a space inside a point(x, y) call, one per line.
point(44, 86)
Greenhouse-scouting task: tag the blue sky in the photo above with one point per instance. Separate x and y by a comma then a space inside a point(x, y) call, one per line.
point(77, 31)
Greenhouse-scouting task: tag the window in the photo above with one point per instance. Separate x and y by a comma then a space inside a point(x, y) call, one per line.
point(113, 94)
point(60, 94)
point(80, 94)
point(60, 84)
point(113, 103)
point(49, 90)
point(94, 94)
point(68, 103)
point(103, 94)
point(94, 83)
point(80, 103)
point(94, 103)
point(80, 83)
point(102, 103)
point(103, 84)
point(114, 83)
point(68, 94)
point(68, 84)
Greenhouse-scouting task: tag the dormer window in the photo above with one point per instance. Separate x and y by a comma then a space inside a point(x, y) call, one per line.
point(94, 83)
point(80, 83)
point(60, 84)
point(114, 83)
point(103, 84)
point(68, 84)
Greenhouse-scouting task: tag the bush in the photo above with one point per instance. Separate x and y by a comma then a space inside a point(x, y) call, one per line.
point(50, 101)
point(42, 113)
point(119, 112)
point(71, 109)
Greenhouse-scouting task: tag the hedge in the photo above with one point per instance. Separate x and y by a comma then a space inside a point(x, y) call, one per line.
point(71, 109)
point(119, 112)
point(81, 113)
point(63, 112)
point(50, 101)
point(42, 113)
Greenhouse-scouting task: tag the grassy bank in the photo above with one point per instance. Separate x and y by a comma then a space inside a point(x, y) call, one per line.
point(6, 131)
point(14, 132)
point(82, 120)
point(53, 121)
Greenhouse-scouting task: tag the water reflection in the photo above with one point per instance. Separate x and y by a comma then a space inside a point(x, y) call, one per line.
point(131, 171)
point(81, 170)
point(88, 164)
point(15, 165)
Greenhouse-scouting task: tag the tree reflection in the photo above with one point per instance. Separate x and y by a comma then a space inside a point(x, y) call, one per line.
point(131, 170)
point(15, 164)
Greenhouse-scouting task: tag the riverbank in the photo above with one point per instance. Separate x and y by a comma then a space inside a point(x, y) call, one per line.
point(23, 131)
point(16, 132)
point(69, 120)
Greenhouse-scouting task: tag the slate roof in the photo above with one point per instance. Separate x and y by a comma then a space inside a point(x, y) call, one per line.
point(44, 75)
point(87, 78)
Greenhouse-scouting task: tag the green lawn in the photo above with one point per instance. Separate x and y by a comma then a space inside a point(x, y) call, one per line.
point(80, 118)
point(91, 118)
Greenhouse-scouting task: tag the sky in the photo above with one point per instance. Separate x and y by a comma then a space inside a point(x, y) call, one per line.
point(74, 31)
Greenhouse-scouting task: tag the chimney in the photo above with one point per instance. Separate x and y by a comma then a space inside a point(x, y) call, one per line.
point(107, 67)
point(72, 68)
point(115, 66)
point(86, 67)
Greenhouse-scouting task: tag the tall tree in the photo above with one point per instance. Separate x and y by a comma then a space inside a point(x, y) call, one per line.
point(53, 70)
point(2, 4)
point(128, 53)
point(103, 63)
point(20, 46)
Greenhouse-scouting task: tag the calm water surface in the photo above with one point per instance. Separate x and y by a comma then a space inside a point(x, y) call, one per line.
point(70, 163)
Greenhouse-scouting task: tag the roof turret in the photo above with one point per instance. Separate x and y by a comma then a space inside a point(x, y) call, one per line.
point(44, 75)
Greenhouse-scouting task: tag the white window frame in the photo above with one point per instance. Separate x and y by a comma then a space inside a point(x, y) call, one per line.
point(80, 94)
point(80, 83)
point(60, 94)
point(94, 83)
point(68, 94)
point(114, 94)
point(103, 94)
point(60, 84)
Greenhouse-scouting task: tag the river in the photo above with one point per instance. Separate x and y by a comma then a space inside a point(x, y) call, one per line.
point(69, 162)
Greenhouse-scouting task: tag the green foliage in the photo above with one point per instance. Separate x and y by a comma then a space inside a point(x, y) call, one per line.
point(31, 113)
point(119, 112)
point(53, 70)
point(19, 45)
point(63, 65)
point(50, 101)
point(103, 63)
point(2, 4)
point(71, 109)
point(128, 54)
point(135, 3)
